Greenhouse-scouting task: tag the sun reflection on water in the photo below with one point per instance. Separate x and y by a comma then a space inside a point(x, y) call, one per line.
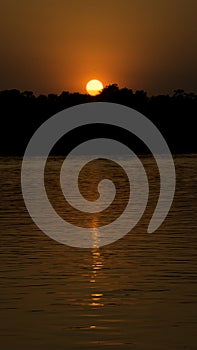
point(97, 265)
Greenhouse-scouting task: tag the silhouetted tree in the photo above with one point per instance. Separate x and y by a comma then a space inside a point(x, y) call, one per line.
point(23, 112)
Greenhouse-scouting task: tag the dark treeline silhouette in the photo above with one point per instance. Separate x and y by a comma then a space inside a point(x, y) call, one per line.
point(23, 112)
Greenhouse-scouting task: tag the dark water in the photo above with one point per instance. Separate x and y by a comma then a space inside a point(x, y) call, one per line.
point(138, 293)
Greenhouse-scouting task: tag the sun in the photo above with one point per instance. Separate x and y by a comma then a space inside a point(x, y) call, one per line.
point(94, 87)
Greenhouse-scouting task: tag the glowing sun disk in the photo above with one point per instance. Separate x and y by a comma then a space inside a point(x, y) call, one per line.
point(94, 87)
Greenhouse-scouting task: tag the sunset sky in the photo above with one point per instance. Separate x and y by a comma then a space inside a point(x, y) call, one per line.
point(54, 45)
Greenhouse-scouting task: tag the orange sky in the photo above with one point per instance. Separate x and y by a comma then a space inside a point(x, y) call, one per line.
point(55, 45)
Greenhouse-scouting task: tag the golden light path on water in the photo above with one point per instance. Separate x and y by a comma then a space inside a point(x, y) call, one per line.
point(97, 265)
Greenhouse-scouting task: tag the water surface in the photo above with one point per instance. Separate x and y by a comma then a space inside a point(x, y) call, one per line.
point(138, 293)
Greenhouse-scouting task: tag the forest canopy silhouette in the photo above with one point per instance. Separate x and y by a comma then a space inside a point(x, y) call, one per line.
point(23, 112)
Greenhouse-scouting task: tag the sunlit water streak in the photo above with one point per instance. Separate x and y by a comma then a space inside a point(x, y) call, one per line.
point(139, 293)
